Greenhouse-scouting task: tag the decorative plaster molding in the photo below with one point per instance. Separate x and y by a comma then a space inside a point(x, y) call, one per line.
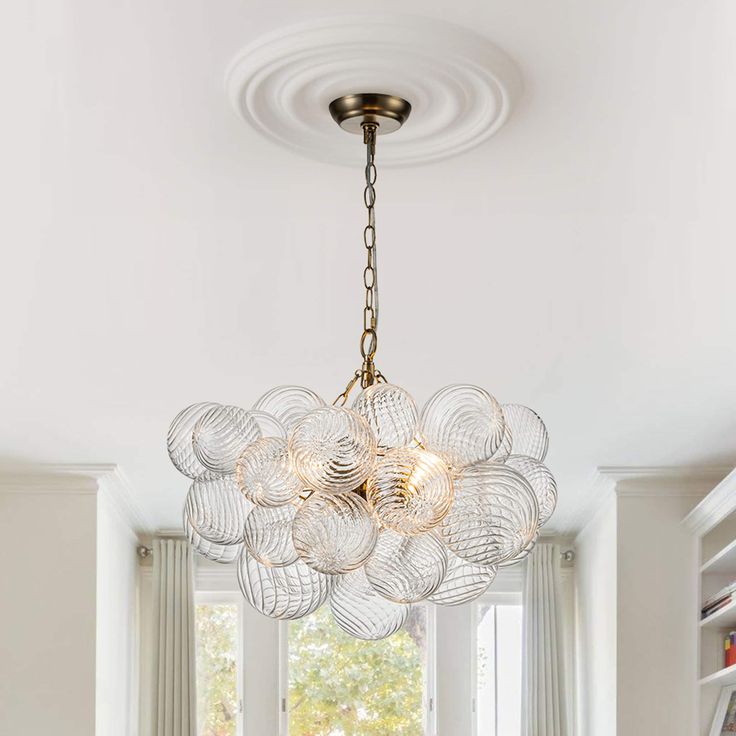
point(663, 481)
point(460, 85)
point(715, 507)
point(78, 478)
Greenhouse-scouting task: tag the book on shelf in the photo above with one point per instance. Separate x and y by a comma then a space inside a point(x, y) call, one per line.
point(717, 606)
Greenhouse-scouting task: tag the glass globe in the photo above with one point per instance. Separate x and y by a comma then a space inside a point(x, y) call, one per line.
point(406, 569)
point(216, 510)
point(494, 516)
point(361, 612)
point(334, 533)
point(282, 592)
point(390, 412)
point(332, 449)
point(410, 490)
point(264, 473)
point(267, 535)
point(522, 555)
point(221, 434)
point(464, 424)
point(222, 553)
point(541, 480)
point(289, 404)
point(463, 582)
point(179, 439)
point(528, 434)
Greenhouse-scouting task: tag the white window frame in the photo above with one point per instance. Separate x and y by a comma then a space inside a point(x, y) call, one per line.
point(494, 598)
point(214, 597)
point(430, 675)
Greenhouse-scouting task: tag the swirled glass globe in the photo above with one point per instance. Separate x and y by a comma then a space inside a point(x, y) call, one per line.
point(410, 490)
point(494, 516)
point(334, 533)
point(221, 434)
point(216, 510)
point(282, 592)
point(360, 611)
point(264, 473)
point(390, 412)
point(522, 555)
point(267, 535)
point(528, 434)
point(406, 569)
point(179, 439)
point(222, 553)
point(541, 480)
point(332, 449)
point(289, 404)
point(464, 424)
point(463, 582)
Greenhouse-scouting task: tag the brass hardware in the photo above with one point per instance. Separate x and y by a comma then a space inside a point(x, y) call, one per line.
point(387, 112)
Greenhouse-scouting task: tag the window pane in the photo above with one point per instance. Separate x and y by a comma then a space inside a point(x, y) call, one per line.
point(498, 670)
point(342, 686)
point(217, 669)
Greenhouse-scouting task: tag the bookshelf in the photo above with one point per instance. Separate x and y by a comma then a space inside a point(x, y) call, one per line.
point(713, 521)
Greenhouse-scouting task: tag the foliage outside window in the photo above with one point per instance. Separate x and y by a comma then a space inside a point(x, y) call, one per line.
point(342, 686)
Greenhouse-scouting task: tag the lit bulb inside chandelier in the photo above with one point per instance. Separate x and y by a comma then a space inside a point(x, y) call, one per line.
point(367, 505)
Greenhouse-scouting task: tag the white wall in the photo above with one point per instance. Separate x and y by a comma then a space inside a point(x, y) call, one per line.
point(47, 609)
point(117, 622)
point(595, 595)
point(657, 599)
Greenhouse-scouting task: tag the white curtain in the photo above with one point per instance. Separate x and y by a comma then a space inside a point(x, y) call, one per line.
point(543, 694)
point(174, 697)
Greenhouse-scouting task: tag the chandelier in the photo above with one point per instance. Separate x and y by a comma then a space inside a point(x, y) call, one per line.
point(366, 505)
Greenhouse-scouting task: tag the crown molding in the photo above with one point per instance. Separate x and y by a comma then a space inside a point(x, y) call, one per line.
point(664, 481)
point(715, 507)
point(78, 479)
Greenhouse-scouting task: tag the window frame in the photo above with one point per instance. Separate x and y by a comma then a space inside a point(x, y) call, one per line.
point(430, 674)
point(493, 598)
point(215, 597)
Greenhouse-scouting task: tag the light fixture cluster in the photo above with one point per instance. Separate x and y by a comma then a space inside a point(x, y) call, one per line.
point(371, 507)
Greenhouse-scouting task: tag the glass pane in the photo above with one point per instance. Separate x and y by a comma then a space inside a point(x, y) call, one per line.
point(341, 686)
point(217, 669)
point(498, 670)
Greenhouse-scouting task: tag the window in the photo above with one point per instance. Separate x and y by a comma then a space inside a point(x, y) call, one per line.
point(218, 629)
point(498, 666)
point(335, 685)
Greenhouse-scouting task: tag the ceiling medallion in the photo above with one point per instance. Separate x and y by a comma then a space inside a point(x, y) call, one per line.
point(462, 87)
point(366, 503)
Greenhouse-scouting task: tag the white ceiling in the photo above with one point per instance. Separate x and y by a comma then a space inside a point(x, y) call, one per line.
point(157, 252)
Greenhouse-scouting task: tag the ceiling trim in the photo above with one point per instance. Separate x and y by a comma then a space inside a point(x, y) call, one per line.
point(653, 480)
point(715, 507)
point(79, 479)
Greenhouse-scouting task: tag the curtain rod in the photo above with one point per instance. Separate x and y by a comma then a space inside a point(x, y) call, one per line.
point(143, 552)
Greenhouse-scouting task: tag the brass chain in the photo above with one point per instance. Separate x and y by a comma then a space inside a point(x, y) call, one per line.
point(368, 373)
point(369, 338)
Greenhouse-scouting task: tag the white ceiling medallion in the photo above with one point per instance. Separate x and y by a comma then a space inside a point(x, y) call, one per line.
point(460, 85)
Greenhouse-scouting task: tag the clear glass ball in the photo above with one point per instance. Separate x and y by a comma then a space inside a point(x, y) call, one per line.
point(220, 436)
point(265, 475)
point(179, 439)
point(528, 434)
point(361, 612)
point(282, 592)
point(267, 535)
point(216, 510)
point(334, 533)
point(464, 424)
point(406, 569)
point(332, 449)
point(541, 480)
point(289, 404)
point(222, 553)
point(410, 490)
point(494, 516)
point(463, 582)
point(390, 412)
point(523, 554)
